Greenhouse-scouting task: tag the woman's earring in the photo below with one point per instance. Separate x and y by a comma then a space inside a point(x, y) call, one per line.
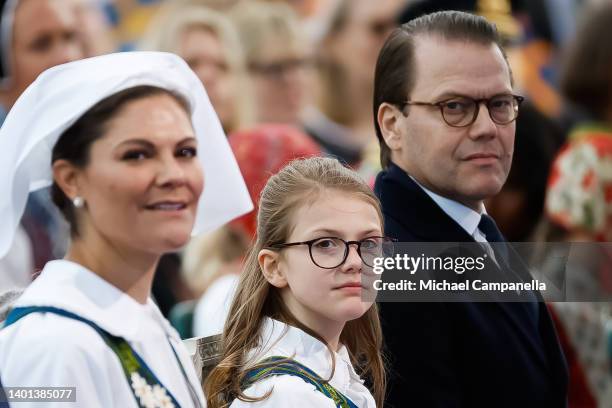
point(78, 202)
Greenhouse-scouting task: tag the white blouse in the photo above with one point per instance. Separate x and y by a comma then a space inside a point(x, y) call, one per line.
point(280, 339)
point(49, 350)
point(213, 307)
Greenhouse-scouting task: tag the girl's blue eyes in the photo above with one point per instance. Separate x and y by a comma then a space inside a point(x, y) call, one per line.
point(135, 155)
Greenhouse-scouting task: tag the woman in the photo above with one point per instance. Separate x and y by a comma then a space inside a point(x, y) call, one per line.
point(126, 140)
point(298, 325)
point(346, 57)
point(209, 43)
point(579, 211)
point(277, 58)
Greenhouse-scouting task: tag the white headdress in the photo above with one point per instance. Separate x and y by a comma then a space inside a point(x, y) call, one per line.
point(64, 93)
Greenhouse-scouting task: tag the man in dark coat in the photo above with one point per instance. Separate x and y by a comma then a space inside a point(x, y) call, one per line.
point(445, 117)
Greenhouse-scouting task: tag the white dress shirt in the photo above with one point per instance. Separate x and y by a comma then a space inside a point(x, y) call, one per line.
point(49, 350)
point(213, 307)
point(280, 339)
point(463, 215)
point(17, 266)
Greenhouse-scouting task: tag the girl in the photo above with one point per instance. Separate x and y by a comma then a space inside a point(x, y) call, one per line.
point(299, 333)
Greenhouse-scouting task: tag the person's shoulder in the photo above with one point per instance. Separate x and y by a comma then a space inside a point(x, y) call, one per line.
point(53, 337)
point(46, 350)
point(285, 391)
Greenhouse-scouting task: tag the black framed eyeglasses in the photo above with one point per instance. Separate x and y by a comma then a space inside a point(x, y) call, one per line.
point(331, 252)
point(462, 111)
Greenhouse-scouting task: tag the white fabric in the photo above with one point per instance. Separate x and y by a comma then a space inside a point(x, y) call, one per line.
point(280, 339)
point(54, 351)
point(467, 218)
point(62, 94)
point(17, 266)
point(213, 307)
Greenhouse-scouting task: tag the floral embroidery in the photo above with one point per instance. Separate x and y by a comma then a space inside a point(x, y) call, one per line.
point(150, 396)
point(580, 186)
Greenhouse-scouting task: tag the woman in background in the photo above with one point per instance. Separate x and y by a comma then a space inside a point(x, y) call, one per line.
point(209, 43)
point(579, 210)
point(277, 58)
point(341, 118)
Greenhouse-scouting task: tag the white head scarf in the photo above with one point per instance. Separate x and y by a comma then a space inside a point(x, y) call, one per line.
point(64, 93)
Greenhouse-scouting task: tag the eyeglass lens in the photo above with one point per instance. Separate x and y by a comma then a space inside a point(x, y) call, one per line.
point(332, 252)
point(503, 109)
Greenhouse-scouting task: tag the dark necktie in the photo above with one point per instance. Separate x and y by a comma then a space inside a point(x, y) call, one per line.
point(493, 234)
point(489, 228)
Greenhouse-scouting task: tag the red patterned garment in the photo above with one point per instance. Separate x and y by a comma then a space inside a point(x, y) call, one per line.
point(579, 194)
point(261, 152)
point(579, 199)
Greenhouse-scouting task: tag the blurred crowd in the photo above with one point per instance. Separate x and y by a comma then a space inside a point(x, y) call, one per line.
point(294, 78)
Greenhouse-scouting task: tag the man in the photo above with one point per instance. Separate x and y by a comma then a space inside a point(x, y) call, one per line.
point(445, 118)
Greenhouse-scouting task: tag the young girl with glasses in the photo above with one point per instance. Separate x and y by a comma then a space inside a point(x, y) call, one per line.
point(299, 332)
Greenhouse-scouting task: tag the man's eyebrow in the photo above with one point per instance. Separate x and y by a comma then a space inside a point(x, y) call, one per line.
point(451, 94)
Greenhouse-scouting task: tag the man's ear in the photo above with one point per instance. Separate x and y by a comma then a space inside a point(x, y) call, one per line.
point(65, 175)
point(269, 262)
point(390, 120)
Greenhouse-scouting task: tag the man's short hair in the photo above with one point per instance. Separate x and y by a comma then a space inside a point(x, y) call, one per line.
point(394, 78)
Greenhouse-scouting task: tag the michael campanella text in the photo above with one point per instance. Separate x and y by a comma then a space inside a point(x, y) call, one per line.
point(443, 285)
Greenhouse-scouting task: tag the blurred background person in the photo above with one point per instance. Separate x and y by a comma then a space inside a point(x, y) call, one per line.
point(579, 209)
point(94, 28)
point(341, 118)
point(35, 35)
point(277, 58)
point(209, 43)
point(213, 262)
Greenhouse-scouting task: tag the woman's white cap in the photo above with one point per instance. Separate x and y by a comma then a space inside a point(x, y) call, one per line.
point(62, 94)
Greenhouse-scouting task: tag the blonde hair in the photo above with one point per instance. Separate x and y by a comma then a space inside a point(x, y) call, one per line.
point(171, 22)
point(259, 23)
point(299, 183)
point(206, 257)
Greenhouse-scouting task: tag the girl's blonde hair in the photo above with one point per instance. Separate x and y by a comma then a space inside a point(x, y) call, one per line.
point(301, 182)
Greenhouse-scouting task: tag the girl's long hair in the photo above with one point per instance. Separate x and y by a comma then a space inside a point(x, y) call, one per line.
point(299, 183)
